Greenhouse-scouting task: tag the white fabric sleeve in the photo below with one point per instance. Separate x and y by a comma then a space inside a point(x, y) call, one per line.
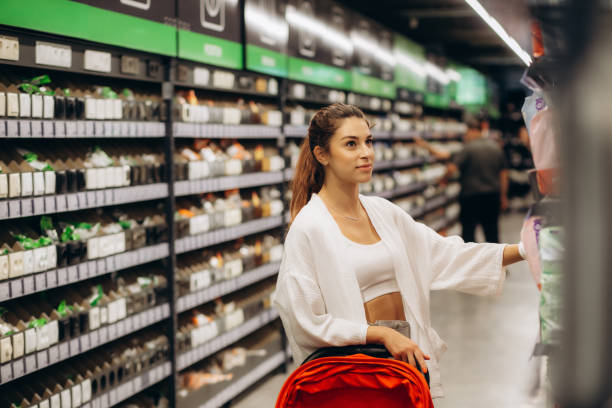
point(454, 264)
point(301, 306)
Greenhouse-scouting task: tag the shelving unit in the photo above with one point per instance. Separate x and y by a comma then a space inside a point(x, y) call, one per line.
point(168, 76)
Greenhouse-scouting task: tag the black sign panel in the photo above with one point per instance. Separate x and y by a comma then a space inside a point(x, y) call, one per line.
point(265, 24)
point(156, 10)
point(318, 31)
point(373, 48)
point(217, 18)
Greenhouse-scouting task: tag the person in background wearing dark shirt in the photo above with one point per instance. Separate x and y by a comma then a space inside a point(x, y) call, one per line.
point(483, 176)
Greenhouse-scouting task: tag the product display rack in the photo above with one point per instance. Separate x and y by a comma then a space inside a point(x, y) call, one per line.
point(168, 75)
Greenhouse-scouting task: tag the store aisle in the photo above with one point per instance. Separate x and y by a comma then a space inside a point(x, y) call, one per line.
point(489, 342)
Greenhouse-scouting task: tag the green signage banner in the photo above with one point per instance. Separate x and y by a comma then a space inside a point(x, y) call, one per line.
point(369, 85)
point(109, 25)
point(266, 61)
point(472, 88)
point(319, 74)
point(409, 64)
point(210, 50)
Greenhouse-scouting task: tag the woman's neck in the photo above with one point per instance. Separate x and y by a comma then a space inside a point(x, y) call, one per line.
point(342, 196)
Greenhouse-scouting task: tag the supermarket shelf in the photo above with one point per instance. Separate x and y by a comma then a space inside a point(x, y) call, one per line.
point(239, 386)
point(51, 204)
point(383, 165)
point(132, 387)
point(63, 129)
point(409, 189)
point(295, 130)
point(287, 217)
point(26, 285)
point(382, 134)
point(444, 224)
point(406, 135)
point(227, 234)
point(199, 353)
point(187, 187)
point(195, 130)
point(289, 173)
point(435, 203)
point(69, 348)
point(401, 191)
point(144, 66)
point(194, 299)
point(410, 162)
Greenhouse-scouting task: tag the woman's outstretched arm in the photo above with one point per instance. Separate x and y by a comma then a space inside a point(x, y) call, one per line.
point(512, 255)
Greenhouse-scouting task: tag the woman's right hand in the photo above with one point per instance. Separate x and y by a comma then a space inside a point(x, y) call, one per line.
point(401, 347)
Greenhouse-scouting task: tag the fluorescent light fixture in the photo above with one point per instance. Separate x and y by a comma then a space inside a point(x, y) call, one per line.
point(412, 64)
point(435, 71)
point(494, 24)
point(317, 28)
point(272, 29)
point(453, 75)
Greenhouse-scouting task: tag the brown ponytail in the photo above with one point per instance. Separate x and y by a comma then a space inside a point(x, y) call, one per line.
point(309, 173)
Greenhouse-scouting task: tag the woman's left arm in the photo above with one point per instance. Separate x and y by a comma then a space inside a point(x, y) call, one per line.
point(512, 255)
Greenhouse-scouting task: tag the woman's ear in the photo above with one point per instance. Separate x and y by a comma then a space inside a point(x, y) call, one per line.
point(321, 155)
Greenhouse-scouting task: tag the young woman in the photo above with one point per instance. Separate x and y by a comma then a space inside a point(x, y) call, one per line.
point(358, 269)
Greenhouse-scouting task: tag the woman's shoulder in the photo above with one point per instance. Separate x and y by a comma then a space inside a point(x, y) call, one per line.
point(308, 219)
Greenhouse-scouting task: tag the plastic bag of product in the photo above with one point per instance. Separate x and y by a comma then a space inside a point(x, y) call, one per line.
point(540, 125)
point(530, 237)
point(551, 302)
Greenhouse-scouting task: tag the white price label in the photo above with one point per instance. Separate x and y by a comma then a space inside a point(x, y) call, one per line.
point(9, 48)
point(97, 61)
point(201, 76)
point(53, 54)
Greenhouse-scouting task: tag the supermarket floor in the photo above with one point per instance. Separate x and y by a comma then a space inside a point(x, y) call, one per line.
point(489, 343)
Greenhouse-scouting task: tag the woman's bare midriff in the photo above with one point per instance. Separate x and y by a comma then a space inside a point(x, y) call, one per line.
point(386, 307)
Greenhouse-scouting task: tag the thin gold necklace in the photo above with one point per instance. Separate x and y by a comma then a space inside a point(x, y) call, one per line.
point(348, 217)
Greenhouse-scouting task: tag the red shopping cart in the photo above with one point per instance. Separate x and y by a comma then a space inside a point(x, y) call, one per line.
point(356, 377)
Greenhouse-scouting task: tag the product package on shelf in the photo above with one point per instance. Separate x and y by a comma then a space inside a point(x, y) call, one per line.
point(199, 270)
point(93, 375)
point(39, 98)
point(204, 323)
point(75, 310)
point(551, 249)
point(192, 109)
point(207, 158)
point(231, 366)
point(30, 170)
point(539, 118)
point(25, 249)
point(196, 216)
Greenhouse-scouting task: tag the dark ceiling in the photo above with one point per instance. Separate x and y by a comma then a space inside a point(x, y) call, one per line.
point(452, 28)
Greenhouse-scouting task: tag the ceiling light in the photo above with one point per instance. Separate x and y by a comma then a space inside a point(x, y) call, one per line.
point(494, 24)
point(435, 71)
point(453, 75)
point(411, 63)
point(317, 28)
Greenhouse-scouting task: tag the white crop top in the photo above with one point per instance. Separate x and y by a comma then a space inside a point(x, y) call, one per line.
point(374, 269)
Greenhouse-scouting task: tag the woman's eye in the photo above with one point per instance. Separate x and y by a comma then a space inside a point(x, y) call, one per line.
point(369, 141)
point(351, 144)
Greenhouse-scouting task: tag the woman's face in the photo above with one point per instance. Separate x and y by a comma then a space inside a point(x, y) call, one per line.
point(351, 152)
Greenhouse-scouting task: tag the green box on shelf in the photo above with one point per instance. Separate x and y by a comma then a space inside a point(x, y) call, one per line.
point(368, 85)
point(210, 50)
point(319, 74)
point(409, 64)
point(266, 61)
point(106, 22)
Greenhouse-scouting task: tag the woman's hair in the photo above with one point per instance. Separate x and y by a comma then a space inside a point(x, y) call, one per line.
point(309, 173)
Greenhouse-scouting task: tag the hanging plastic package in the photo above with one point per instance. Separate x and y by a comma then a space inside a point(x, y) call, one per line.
point(551, 303)
point(540, 124)
point(530, 235)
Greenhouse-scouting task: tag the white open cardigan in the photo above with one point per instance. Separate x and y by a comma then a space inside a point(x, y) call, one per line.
point(318, 296)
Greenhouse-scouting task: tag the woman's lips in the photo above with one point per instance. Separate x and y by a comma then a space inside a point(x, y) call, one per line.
point(365, 167)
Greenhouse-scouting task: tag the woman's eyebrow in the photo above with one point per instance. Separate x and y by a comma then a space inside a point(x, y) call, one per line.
point(355, 137)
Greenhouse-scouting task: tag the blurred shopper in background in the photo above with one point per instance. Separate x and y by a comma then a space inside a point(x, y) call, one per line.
point(483, 176)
